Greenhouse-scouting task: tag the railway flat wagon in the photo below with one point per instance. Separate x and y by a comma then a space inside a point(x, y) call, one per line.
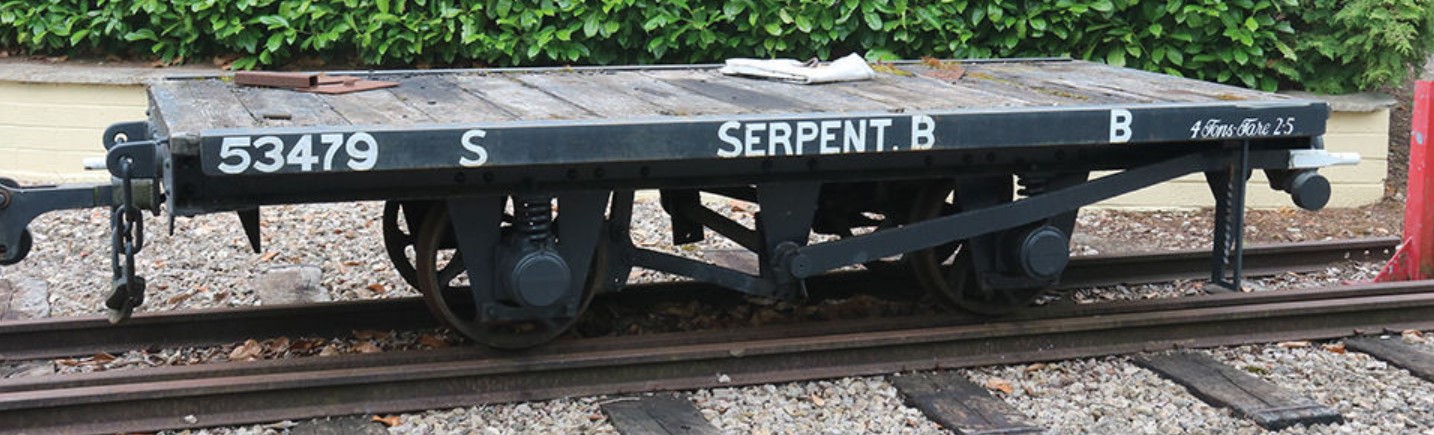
point(509, 192)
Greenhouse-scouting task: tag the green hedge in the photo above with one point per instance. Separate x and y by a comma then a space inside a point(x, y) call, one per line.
point(1324, 45)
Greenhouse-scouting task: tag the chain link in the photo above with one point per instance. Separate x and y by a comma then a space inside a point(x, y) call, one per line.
point(127, 239)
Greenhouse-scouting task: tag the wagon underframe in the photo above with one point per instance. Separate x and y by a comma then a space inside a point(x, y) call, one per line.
point(965, 184)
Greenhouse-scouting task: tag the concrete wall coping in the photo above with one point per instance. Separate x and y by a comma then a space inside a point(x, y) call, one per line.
point(91, 72)
point(1359, 102)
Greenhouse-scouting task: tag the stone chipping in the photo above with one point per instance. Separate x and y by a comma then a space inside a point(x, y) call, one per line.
point(207, 264)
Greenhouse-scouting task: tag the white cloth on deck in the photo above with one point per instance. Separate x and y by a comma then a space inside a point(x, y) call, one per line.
point(849, 68)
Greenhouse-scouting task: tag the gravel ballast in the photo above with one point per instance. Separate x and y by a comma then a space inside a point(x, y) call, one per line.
point(208, 264)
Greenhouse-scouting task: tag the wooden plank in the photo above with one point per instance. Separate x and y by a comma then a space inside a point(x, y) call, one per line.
point(526, 102)
point(712, 85)
point(672, 99)
point(1397, 353)
point(191, 106)
point(885, 90)
point(1078, 86)
point(581, 90)
point(955, 403)
point(1218, 384)
point(816, 97)
point(376, 107)
point(284, 107)
point(444, 101)
point(1160, 87)
point(980, 78)
point(657, 415)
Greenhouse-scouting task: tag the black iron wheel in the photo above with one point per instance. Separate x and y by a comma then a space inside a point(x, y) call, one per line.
point(21, 250)
point(948, 272)
point(399, 237)
point(440, 277)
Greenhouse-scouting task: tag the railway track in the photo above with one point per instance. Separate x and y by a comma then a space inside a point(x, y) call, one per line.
point(61, 337)
point(249, 392)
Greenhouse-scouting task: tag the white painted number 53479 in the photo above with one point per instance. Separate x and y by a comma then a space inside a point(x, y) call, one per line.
point(269, 154)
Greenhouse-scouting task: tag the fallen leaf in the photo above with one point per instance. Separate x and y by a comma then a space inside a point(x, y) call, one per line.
point(389, 421)
point(305, 345)
point(377, 288)
point(1335, 348)
point(268, 256)
point(179, 298)
point(367, 347)
point(201, 289)
point(817, 400)
point(103, 357)
point(279, 345)
point(999, 384)
point(432, 341)
point(371, 334)
point(329, 350)
point(250, 350)
point(1293, 344)
point(1035, 367)
point(220, 296)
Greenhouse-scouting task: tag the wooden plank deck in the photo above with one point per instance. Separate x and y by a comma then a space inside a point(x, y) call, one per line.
point(459, 97)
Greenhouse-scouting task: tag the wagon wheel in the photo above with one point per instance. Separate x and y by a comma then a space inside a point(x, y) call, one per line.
point(948, 271)
point(398, 237)
point(26, 240)
point(910, 208)
point(439, 271)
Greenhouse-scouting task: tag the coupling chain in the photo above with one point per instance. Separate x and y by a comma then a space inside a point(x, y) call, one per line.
point(127, 239)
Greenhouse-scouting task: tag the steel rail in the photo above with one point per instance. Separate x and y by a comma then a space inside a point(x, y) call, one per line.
point(70, 336)
point(240, 393)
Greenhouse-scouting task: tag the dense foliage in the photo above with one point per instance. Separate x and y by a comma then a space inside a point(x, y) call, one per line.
point(1325, 45)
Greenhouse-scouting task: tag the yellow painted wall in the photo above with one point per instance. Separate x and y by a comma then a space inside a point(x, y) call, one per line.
point(46, 130)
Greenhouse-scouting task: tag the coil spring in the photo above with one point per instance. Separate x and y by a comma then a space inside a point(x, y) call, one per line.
point(534, 217)
point(1032, 185)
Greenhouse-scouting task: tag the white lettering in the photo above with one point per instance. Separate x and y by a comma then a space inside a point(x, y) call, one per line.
point(470, 144)
point(855, 137)
point(923, 132)
point(724, 133)
point(753, 140)
point(829, 129)
point(779, 133)
point(880, 125)
point(1120, 125)
point(806, 132)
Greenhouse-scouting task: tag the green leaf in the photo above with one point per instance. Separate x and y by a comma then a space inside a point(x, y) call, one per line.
point(274, 21)
point(1103, 6)
point(275, 41)
point(773, 28)
point(1115, 58)
point(804, 24)
point(873, 21)
point(141, 35)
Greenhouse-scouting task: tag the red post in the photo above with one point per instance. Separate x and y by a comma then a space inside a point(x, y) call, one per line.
point(1415, 258)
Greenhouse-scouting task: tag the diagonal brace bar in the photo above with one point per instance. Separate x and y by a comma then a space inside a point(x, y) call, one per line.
point(816, 259)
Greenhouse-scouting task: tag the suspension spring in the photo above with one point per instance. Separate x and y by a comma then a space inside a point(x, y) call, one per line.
point(534, 217)
point(1033, 184)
